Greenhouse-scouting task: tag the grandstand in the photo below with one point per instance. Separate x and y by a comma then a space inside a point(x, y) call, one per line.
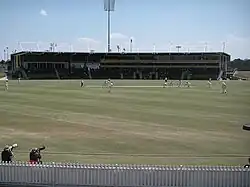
point(65, 65)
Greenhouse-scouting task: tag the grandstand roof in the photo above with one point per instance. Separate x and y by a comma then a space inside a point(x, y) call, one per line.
point(66, 54)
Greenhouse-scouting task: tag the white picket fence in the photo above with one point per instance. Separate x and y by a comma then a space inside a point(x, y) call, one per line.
point(57, 174)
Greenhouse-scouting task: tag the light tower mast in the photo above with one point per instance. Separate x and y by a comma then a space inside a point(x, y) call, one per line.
point(109, 6)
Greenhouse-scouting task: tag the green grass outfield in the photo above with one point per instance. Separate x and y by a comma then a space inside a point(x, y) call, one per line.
point(139, 122)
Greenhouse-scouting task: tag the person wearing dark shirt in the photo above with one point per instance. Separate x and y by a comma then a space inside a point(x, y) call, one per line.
point(35, 155)
point(7, 153)
point(247, 165)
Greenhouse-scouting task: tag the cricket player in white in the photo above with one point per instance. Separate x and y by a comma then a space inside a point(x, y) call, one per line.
point(18, 80)
point(106, 83)
point(224, 87)
point(171, 83)
point(6, 84)
point(179, 84)
point(188, 84)
point(110, 85)
point(165, 82)
point(82, 83)
point(209, 83)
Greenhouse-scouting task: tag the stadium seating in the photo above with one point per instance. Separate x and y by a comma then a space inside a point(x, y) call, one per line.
point(121, 65)
point(41, 74)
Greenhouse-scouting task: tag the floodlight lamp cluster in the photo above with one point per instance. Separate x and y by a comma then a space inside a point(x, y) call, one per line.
point(109, 5)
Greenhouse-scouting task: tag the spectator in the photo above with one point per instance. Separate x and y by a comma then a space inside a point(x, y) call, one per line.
point(35, 155)
point(247, 165)
point(7, 153)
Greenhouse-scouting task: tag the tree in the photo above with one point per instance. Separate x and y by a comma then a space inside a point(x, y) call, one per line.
point(243, 65)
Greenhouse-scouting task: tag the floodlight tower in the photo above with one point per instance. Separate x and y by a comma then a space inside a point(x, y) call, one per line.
point(178, 47)
point(6, 54)
point(223, 46)
point(205, 49)
point(109, 6)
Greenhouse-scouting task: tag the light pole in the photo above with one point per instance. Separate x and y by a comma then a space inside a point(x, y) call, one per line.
point(109, 6)
point(205, 49)
point(118, 48)
point(52, 47)
point(131, 45)
point(178, 47)
point(223, 46)
point(6, 54)
point(170, 47)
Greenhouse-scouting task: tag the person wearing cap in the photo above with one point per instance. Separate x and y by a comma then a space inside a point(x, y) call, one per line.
point(7, 153)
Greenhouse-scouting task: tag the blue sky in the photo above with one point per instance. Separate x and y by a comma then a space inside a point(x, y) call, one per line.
point(80, 25)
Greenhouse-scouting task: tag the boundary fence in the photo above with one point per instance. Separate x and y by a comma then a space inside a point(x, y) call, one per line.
point(58, 174)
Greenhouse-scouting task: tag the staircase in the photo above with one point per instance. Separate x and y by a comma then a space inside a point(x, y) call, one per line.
point(220, 75)
point(235, 72)
point(24, 74)
point(57, 74)
point(89, 72)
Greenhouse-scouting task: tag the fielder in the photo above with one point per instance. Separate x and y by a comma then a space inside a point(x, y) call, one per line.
point(209, 83)
point(179, 84)
point(6, 84)
point(188, 84)
point(165, 82)
point(106, 83)
point(82, 83)
point(110, 85)
point(18, 80)
point(224, 87)
point(171, 83)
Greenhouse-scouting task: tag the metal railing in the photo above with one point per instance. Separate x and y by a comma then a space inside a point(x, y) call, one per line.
point(57, 174)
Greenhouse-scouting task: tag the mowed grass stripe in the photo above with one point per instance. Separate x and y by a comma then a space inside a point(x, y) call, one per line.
point(47, 111)
point(135, 107)
point(144, 110)
point(159, 101)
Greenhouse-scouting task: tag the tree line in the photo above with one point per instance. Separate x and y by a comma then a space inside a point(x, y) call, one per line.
point(242, 65)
